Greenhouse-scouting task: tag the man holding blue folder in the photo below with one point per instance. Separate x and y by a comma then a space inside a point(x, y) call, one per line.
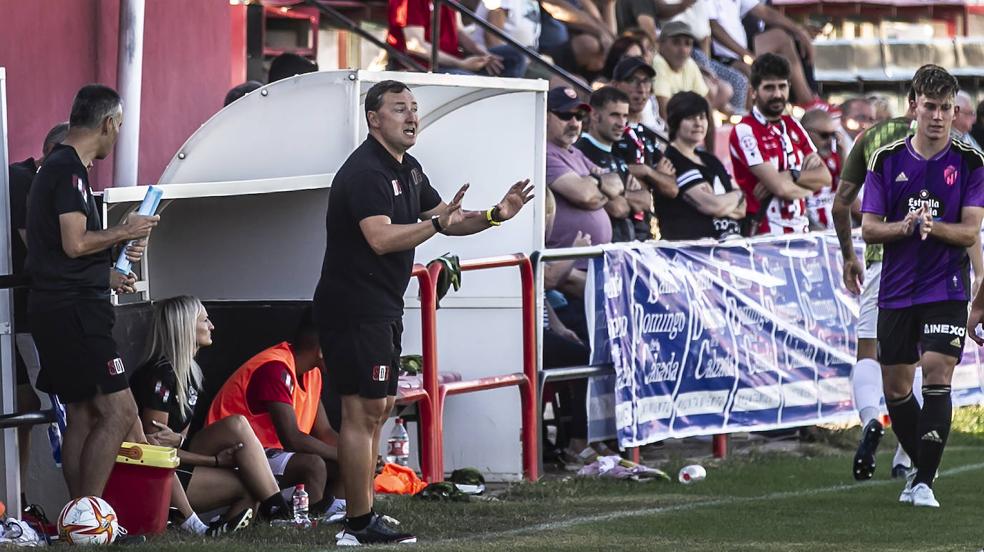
point(71, 315)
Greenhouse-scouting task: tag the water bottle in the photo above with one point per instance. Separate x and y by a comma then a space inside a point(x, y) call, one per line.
point(300, 503)
point(399, 444)
point(692, 473)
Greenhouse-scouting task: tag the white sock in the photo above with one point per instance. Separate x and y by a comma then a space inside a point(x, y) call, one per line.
point(917, 386)
point(866, 382)
point(194, 525)
point(901, 458)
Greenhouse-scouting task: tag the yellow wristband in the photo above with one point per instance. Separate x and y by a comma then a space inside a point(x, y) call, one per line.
point(488, 217)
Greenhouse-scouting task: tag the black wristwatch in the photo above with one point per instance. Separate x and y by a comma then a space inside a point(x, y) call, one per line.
point(795, 174)
point(437, 224)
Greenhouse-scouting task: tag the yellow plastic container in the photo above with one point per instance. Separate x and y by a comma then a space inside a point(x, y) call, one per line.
point(139, 488)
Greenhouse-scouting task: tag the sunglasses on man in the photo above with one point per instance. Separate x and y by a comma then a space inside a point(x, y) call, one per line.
point(567, 116)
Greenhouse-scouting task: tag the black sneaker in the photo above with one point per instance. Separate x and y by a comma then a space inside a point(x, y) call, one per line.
point(864, 458)
point(381, 530)
point(237, 523)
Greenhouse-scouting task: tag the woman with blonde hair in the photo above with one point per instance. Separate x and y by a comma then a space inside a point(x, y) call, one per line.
point(223, 465)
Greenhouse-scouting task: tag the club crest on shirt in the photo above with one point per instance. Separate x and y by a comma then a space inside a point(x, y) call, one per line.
point(416, 177)
point(162, 391)
point(950, 174)
point(397, 190)
point(81, 187)
point(288, 381)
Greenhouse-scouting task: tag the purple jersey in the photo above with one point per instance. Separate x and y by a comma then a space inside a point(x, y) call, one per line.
point(899, 180)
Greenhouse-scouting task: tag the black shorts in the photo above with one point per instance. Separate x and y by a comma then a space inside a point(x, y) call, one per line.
point(363, 359)
point(78, 354)
point(939, 327)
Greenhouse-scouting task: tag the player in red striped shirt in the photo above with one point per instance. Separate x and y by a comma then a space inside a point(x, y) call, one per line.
point(774, 161)
point(822, 130)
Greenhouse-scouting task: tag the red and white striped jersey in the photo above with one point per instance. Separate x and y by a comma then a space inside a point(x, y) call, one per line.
point(785, 144)
point(820, 204)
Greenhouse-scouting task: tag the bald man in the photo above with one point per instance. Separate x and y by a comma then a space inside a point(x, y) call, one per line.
point(965, 118)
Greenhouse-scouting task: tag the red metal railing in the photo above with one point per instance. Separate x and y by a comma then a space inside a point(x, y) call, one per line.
point(526, 381)
point(429, 424)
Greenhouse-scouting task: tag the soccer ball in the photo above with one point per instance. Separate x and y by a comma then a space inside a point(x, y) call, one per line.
point(88, 520)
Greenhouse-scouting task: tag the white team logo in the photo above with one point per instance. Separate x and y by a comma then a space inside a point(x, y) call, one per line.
point(397, 190)
point(901, 177)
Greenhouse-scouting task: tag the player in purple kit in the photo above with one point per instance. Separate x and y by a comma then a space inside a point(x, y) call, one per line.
point(923, 199)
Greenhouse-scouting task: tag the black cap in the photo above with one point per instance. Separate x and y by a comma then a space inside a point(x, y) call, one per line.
point(627, 66)
point(563, 99)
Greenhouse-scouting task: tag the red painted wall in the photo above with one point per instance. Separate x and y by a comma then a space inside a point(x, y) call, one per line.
point(50, 48)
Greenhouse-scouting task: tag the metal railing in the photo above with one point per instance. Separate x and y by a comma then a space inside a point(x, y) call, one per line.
point(354, 27)
point(533, 55)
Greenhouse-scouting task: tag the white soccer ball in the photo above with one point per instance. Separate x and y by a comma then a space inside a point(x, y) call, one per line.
point(88, 520)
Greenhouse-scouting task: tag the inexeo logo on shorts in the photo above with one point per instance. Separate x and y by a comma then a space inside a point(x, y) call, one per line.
point(947, 329)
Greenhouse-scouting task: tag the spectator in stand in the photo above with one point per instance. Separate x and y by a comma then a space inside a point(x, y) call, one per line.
point(623, 47)
point(785, 38)
point(857, 116)
point(697, 17)
point(575, 182)
point(71, 316)
point(223, 465)
point(883, 107)
point(963, 121)
point(977, 130)
point(640, 146)
point(410, 32)
point(822, 129)
point(774, 162)
point(608, 117)
point(287, 65)
point(577, 33)
point(519, 19)
point(679, 73)
point(25, 353)
point(239, 91)
point(708, 205)
point(278, 391)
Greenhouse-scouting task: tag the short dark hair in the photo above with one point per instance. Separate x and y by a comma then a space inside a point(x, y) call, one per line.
point(934, 82)
point(616, 52)
point(54, 137)
point(240, 90)
point(683, 105)
point(287, 65)
point(607, 94)
point(92, 104)
point(769, 66)
point(306, 335)
point(374, 97)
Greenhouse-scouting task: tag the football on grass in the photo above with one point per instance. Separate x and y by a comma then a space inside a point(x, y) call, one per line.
point(88, 520)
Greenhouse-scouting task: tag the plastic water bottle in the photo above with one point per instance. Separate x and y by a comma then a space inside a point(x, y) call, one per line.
point(692, 473)
point(300, 503)
point(399, 445)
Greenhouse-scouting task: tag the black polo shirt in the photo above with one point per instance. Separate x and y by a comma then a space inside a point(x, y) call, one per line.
point(356, 283)
point(21, 175)
point(62, 186)
point(623, 230)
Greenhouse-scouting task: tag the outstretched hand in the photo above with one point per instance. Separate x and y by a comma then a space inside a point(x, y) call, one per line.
point(519, 194)
point(853, 275)
point(454, 214)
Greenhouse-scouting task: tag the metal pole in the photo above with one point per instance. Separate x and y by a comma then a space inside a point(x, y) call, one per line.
point(435, 33)
point(129, 66)
point(11, 459)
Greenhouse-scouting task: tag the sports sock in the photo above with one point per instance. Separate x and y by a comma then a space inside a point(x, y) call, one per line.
point(901, 458)
point(359, 523)
point(934, 428)
point(322, 505)
point(194, 525)
point(274, 506)
point(866, 382)
point(905, 420)
point(917, 386)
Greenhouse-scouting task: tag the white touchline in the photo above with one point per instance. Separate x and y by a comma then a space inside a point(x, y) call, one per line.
point(609, 516)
